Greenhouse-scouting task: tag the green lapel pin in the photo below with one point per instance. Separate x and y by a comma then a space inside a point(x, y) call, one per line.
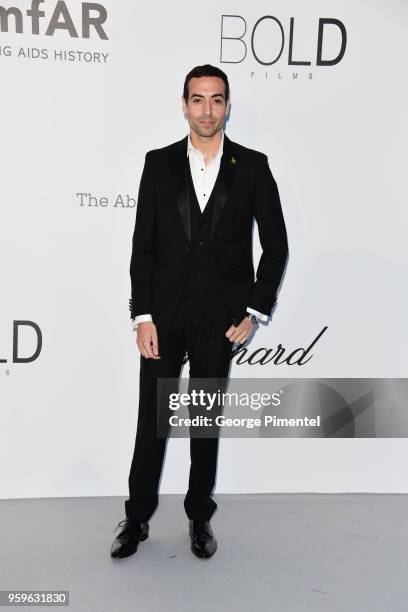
point(233, 160)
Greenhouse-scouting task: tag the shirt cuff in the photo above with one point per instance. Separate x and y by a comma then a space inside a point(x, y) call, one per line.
point(260, 315)
point(140, 319)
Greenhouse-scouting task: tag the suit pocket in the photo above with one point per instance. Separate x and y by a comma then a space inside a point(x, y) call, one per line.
point(160, 264)
point(242, 273)
point(245, 267)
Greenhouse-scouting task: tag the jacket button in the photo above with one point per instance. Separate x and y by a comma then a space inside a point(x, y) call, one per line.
point(187, 248)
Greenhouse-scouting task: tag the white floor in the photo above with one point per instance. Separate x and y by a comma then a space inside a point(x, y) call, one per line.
point(289, 552)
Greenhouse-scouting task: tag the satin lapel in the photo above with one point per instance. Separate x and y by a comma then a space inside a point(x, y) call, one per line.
point(225, 178)
point(179, 162)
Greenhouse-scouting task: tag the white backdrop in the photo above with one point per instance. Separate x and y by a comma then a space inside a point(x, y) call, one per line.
point(336, 141)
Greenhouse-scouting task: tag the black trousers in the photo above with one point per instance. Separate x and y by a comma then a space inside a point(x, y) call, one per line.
point(200, 332)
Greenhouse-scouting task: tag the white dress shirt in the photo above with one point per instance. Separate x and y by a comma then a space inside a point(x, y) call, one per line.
point(204, 176)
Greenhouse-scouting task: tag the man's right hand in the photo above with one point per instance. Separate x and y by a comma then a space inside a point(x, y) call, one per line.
point(147, 340)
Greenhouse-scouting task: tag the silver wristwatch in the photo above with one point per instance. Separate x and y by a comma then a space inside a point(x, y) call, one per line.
point(253, 318)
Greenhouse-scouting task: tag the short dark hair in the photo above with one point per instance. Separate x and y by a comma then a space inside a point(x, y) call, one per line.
point(206, 71)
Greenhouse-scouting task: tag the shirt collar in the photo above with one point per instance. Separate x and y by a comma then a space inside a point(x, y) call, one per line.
point(191, 148)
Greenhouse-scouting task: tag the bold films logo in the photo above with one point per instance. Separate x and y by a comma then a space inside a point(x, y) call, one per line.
point(28, 334)
point(270, 41)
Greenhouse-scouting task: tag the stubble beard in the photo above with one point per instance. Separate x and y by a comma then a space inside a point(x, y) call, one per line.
point(206, 133)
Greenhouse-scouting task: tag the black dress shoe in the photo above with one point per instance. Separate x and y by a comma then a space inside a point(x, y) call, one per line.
point(127, 541)
point(203, 543)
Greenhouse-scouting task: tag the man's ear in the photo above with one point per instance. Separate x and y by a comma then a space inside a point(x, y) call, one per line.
point(183, 105)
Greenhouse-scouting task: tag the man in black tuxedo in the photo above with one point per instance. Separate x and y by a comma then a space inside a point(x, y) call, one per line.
point(193, 286)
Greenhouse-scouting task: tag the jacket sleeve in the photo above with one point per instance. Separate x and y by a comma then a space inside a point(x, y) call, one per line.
point(273, 239)
point(141, 262)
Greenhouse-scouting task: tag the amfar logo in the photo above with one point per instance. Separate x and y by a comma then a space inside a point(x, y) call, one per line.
point(270, 31)
point(60, 19)
point(27, 358)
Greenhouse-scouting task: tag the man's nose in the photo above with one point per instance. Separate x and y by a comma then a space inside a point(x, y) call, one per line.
point(207, 107)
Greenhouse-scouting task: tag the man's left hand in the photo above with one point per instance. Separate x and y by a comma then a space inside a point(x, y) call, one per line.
point(241, 332)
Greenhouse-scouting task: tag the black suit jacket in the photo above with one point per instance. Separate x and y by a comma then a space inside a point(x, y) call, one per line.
point(245, 189)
